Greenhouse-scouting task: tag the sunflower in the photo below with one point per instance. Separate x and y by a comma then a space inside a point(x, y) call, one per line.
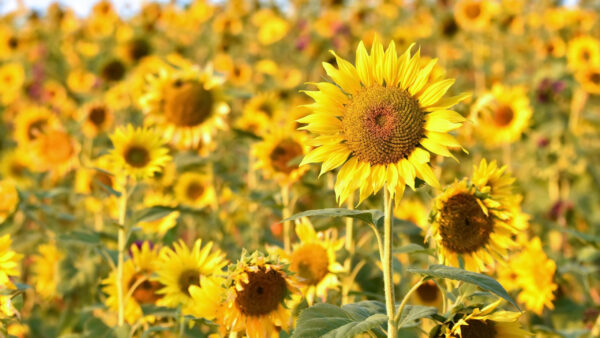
point(137, 281)
point(277, 152)
point(412, 210)
point(258, 112)
point(486, 323)
point(473, 15)
point(138, 152)
point(428, 294)
point(589, 78)
point(96, 117)
point(45, 270)
point(12, 78)
point(55, 151)
point(491, 179)
point(313, 261)
point(531, 272)
point(186, 104)
point(9, 262)
point(195, 190)
point(255, 300)
point(9, 199)
point(180, 268)
point(207, 300)
point(467, 223)
point(502, 114)
point(32, 122)
point(81, 81)
point(583, 51)
point(14, 167)
point(382, 121)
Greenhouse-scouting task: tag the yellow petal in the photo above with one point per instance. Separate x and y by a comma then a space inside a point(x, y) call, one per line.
point(434, 93)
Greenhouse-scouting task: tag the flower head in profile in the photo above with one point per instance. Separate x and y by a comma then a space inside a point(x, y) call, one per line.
point(380, 120)
point(45, 268)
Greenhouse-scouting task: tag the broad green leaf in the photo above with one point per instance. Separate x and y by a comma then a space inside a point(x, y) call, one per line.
point(153, 213)
point(369, 216)
point(84, 237)
point(411, 313)
point(412, 248)
point(483, 281)
point(326, 320)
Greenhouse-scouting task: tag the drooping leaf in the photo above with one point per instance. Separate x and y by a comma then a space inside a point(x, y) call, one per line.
point(412, 313)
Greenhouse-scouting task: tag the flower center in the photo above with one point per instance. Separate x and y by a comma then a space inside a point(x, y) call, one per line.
point(383, 125)
point(36, 128)
point(473, 10)
point(283, 153)
point(97, 116)
point(428, 292)
point(478, 329)
point(113, 71)
point(262, 294)
point(188, 278)
point(595, 77)
point(145, 293)
point(310, 262)
point(187, 104)
point(463, 224)
point(503, 115)
point(104, 179)
point(139, 48)
point(194, 190)
point(57, 147)
point(137, 156)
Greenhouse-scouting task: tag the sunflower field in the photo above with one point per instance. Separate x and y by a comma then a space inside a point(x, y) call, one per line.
point(301, 168)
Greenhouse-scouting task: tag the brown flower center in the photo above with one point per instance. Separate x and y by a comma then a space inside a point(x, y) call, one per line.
point(139, 48)
point(428, 292)
point(137, 156)
point(479, 329)
point(187, 279)
point(283, 153)
point(36, 128)
point(383, 125)
point(503, 115)
point(595, 77)
point(114, 70)
point(310, 262)
point(262, 294)
point(187, 104)
point(473, 10)
point(145, 293)
point(104, 179)
point(97, 115)
point(464, 227)
point(194, 190)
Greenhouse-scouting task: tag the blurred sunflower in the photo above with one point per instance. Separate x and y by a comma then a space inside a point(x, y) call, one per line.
point(179, 268)
point(138, 152)
point(186, 104)
point(589, 78)
point(9, 199)
point(486, 323)
point(502, 114)
point(32, 122)
point(96, 117)
point(470, 226)
point(429, 294)
point(257, 290)
point(207, 300)
point(45, 270)
point(137, 281)
point(9, 262)
point(473, 15)
point(14, 167)
point(412, 210)
point(382, 121)
point(583, 51)
point(12, 78)
point(313, 262)
point(195, 190)
point(276, 154)
point(55, 151)
point(81, 81)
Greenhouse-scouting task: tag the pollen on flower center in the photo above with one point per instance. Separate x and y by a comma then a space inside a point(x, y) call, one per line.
point(478, 328)
point(187, 104)
point(503, 115)
point(137, 156)
point(310, 262)
point(188, 278)
point(383, 125)
point(464, 226)
point(262, 294)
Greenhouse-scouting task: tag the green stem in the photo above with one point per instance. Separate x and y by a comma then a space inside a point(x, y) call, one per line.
point(406, 297)
point(388, 270)
point(287, 225)
point(121, 246)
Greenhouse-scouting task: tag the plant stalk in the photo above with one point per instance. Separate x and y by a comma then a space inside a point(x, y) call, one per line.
point(388, 271)
point(287, 225)
point(121, 247)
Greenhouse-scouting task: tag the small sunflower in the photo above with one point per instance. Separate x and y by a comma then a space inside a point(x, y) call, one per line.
point(486, 323)
point(97, 118)
point(473, 15)
point(137, 282)
point(313, 262)
point(502, 115)
point(138, 152)
point(583, 51)
point(195, 190)
point(14, 167)
point(179, 268)
point(186, 104)
point(9, 262)
point(278, 151)
point(257, 290)
point(55, 151)
point(589, 78)
point(380, 122)
point(45, 270)
point(429, 294)
point(12, 78)
point(491, 179)
point(32, 122)
point(9, 199)
point(469, 224)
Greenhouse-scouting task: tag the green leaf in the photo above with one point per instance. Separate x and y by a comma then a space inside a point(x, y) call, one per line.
point(483, 281)
point(83, 237)
point(326, 320)
point(412, 313)
point(369, 216)
point(153, 213)
point(412, 248)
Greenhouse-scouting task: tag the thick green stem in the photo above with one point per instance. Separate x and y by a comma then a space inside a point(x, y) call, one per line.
point(121, 246)
point(388, 271)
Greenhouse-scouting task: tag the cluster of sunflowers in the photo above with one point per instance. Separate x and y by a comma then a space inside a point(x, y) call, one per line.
point(158, 177)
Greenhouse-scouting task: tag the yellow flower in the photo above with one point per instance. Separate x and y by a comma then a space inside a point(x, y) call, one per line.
point(9, 262)
point(138, 286)
point(429, 294)
point(80, 81)
point(45, 269)
point(180, 268)
point(137, 152)
point(476, 229)
point(207, 301)
point(486, 323)
point(257, 290)
point(32, 122)
point(589, 78)
point(412, 210)
point(185, 103)
point(473, 15)
point(97, 117)
point(55, 151)
point(14, 167)
point(380, 122)
point(195, 190)
point(488, 178)
point(272, 29)
point(9, 199)
point(12, 77)
point(161, 225)
point(583, 51)
point(502, 115)
point(277, 151)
